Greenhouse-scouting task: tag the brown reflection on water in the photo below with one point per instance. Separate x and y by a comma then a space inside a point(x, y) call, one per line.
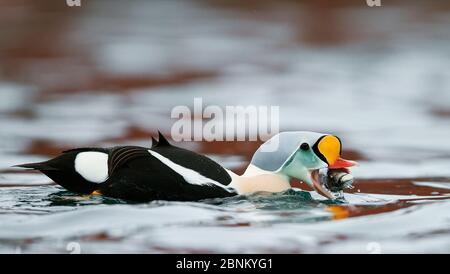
point(390, 187)
point(400, 186)
point(119, 84)
point(37, 47)
point(340, 212)
point(34, 43)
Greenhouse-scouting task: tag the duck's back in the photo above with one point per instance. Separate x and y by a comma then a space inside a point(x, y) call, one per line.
point(164, 172)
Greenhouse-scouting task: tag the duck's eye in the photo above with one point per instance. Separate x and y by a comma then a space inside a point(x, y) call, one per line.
point(304, 146)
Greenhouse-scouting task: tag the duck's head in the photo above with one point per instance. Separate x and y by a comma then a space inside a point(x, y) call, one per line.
point(300, 155)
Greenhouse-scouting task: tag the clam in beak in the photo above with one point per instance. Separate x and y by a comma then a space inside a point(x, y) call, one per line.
point(317, 182)
point(319, 187)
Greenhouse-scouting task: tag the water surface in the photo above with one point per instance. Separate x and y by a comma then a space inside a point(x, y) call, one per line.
point(110, 72)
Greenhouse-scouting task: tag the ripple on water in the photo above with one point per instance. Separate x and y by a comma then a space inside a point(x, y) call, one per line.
point(47, 218)
point(391, 92)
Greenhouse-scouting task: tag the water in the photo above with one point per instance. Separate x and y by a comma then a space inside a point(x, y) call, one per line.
point(113, 72)
point(48, 219)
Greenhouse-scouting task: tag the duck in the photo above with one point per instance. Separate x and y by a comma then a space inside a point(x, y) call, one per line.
point(167, 172)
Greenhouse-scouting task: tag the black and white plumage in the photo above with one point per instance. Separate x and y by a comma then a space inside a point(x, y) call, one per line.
point(166, 172)
point(162, 172)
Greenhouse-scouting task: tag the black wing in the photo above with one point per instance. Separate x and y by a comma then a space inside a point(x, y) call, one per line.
point(120, 156)
point(194, 161)
point(86, 149)
point(135, 174)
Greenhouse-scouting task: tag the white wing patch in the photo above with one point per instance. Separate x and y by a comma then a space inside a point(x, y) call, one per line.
point(92, 166)
point(189, 175)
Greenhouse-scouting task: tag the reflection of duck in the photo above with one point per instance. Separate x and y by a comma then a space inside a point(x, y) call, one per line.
point(167, 172)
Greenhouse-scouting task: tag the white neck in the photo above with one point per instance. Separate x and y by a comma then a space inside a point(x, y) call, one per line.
point(253, 170)
point(255, 179)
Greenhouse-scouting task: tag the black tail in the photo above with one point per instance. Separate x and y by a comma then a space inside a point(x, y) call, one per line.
point(37, 166)
point(61, 170)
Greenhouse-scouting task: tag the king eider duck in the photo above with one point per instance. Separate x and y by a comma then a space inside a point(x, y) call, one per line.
point(167, 172)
